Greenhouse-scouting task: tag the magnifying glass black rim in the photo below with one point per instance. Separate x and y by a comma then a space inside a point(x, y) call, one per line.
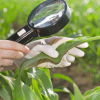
point(39, 7)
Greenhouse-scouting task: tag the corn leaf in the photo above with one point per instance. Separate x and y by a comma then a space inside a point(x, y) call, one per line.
point(62, 89)
point(4, 94)
point(71, 96)
point(36, 88)
point(45, 83)
point(61, 76)
point(62, 49)
point(45, 98)
point(93, 94)
point(8, 80)
point(22, 91)
point(77, 93)
point(7, 83)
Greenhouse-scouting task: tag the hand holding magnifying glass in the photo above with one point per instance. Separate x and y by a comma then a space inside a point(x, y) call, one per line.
point(46, 19)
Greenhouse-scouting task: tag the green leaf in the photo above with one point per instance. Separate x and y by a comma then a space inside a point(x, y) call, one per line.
point(87, 93)
point(93, 94)
point(8, 80)
point(22, 91)
point(7, 83)
point(62, 89)
point(36, 89)
point(46, 70)
point(45, 98)
point(45, 83)
point(61, 76)
point(77, 93)
point(4, 94)
point(66, 46)
point(71, 96)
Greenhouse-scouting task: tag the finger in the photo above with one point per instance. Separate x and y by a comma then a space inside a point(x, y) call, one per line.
point(11, 45)
point(6, 62)
point(76, 52)
point(64, 64)
point(70, 58)
point(83, 45)
point(32, 44)
point(10, 54)
point(49, 50)
point(64, 61)
point(35, 48)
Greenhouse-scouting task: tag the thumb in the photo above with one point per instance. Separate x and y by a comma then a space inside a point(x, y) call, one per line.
point(49, 50)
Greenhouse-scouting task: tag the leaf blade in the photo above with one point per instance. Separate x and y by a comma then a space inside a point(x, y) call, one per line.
point(4, 94)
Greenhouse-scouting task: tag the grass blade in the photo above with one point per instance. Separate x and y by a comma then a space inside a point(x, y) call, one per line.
point(61, 76)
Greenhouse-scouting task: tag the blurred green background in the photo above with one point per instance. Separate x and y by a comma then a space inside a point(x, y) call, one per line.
point(84, 22)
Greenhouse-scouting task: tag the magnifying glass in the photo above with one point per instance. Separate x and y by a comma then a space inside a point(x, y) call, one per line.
point(46, 19)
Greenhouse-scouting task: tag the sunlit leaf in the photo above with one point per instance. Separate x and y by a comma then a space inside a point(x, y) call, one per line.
point(45, 83)
point(62, 49)
point(77, 93)
point(61, 76)
point(9, 80)
point(93, 94)
point(36, 89)
point(62, 89)
point(22, 91)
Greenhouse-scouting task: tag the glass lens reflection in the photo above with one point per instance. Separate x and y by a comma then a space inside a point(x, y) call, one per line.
point(48, 15)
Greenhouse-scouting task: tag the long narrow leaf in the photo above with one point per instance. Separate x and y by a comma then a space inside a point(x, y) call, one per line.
point(62, 49)
point(92, 93)
point(22, 91)
point(4, 94)
point(45, 83)
point(77, 93)
point(61, 76)
point(9, 80)
point(62, 89)
point(36, 89)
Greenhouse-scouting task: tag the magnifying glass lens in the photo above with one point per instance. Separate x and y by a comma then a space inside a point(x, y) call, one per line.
point(48, 15)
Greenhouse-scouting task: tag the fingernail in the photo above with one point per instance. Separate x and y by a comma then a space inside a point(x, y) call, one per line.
point(27, 49)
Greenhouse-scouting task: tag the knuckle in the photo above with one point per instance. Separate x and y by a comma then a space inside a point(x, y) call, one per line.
point(1, 53)
point(0, 62)
point(14, 54)
point(9, 62)
point(13, 44)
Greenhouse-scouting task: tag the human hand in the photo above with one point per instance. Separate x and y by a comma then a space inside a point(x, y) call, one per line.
point(10, 50)
point(48, 46)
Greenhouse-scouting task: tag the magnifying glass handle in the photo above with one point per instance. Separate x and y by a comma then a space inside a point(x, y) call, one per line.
point(24, 35)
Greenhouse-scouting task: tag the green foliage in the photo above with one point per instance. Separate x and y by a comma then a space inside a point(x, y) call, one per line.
point(84, 22)
point(4, 94)
point(41, 87)
point(29, 84)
